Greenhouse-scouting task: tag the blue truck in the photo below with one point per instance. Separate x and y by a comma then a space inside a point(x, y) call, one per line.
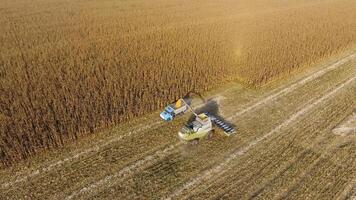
point(172, 110)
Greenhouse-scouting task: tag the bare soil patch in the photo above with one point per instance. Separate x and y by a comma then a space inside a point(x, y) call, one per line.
point(347, 127)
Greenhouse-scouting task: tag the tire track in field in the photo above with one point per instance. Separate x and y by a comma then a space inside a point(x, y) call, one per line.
point(279, 175)
point(271, 97)
point(282, 151)
point(245, 174)
point(316, 165)
point(296, 85)
point(92, 149)
point(337, 166)
point(303, 159)
point(346, 194)
point(322, 171)
point(126, 170)
point(324, 154)
point(235, 180)
point(219, 169)
point(307, 130)
point(347, 126)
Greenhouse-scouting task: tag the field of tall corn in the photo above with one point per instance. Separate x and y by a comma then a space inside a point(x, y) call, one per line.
point(69, 67)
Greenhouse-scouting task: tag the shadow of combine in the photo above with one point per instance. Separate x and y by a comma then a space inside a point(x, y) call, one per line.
point(211, 106)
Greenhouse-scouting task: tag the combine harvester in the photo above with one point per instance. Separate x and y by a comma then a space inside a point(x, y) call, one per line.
point(201, 127)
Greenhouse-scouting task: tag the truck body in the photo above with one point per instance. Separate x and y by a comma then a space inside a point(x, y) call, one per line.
point(174, 109)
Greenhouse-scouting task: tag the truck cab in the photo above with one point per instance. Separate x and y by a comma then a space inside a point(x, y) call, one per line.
point(168, 114)
point(174, 109)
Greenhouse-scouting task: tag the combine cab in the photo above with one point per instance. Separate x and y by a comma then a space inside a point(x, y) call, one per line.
point(198, 129)
point(202, 127)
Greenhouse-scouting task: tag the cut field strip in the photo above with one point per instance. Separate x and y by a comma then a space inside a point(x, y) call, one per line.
point(237, 182)
point(222, 167)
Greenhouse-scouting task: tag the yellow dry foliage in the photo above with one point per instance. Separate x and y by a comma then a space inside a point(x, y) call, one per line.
point(68, 67)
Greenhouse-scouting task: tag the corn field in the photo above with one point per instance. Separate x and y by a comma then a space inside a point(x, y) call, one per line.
point(70, 67)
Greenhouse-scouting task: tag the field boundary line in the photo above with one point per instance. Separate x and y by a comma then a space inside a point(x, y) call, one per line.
point(218, 169)
point(264, 100)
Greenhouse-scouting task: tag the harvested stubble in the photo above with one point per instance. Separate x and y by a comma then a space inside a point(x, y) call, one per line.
point(69, 67)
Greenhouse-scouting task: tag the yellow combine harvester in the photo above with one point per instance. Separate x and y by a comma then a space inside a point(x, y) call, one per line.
point(201, 127)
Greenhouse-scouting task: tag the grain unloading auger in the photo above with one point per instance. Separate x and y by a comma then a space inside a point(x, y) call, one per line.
point(201, 127)
point(179, 107)
point(172, 110)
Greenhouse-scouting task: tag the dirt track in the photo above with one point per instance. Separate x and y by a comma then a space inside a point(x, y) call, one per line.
point(284, 147)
